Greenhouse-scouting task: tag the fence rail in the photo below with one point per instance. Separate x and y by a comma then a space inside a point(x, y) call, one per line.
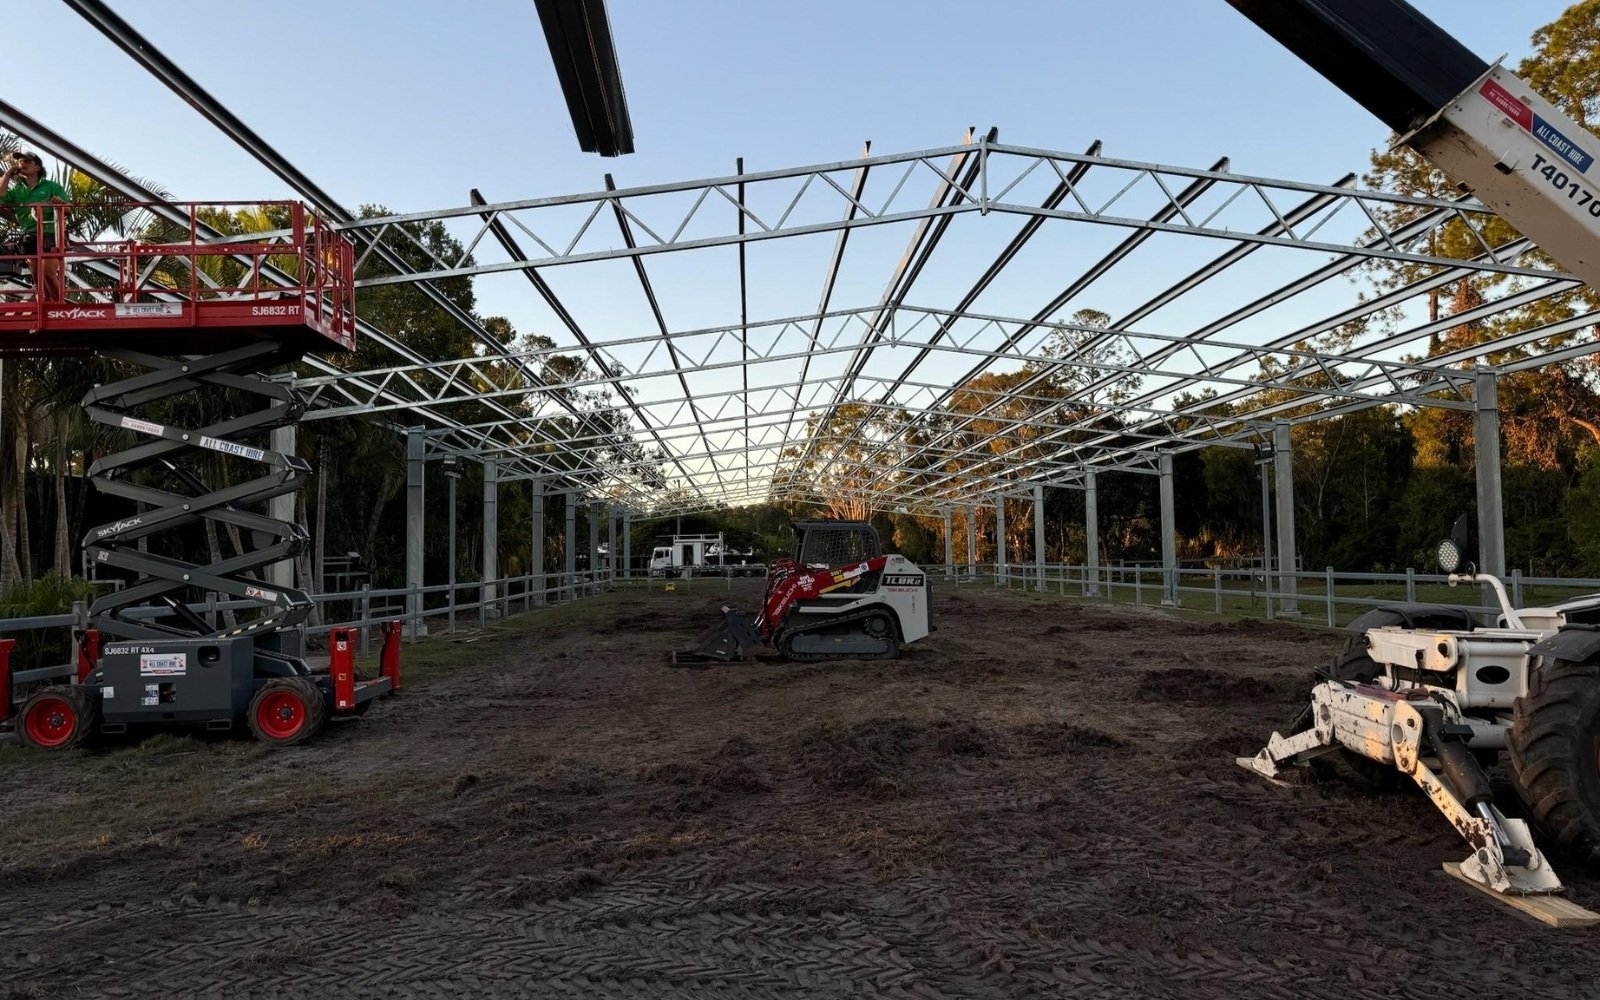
point(1330, 597)
point(361, 609)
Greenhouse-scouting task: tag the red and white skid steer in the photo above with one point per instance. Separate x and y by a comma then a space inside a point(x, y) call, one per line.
point(839, 597)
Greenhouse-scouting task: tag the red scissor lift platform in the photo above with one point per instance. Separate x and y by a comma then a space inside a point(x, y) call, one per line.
point(294, 286)
point(192, 311)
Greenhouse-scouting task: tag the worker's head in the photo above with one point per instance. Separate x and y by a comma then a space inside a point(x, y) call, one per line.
point(28, 163)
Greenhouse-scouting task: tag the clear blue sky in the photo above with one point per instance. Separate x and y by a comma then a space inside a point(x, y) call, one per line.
point(410, 104)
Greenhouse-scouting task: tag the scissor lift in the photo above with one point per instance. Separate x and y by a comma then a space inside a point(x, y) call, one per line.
point(183, 317)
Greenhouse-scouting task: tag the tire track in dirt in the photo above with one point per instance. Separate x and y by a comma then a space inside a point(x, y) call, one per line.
point(765, 940)
point(1041, 801)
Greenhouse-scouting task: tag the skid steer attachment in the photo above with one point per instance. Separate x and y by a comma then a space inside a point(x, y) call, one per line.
point(728, 641)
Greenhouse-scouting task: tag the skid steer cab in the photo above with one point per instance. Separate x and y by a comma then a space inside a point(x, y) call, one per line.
point(1424, 693)
point(838, 597)
point(257, 683)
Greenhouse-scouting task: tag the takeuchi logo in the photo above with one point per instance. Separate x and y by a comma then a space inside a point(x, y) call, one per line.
point(78, 312)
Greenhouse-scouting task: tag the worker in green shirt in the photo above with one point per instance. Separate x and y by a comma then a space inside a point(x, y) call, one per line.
point(26, 186)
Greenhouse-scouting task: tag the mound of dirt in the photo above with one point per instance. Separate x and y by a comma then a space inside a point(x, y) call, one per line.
point(700, 786)
point(1065, 738)
point(878, 758)
point(1199, 686)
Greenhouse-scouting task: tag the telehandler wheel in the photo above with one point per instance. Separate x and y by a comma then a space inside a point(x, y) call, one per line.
point(287, 711)
point(57, 717)
point(1555, 753)
point(1352, 665)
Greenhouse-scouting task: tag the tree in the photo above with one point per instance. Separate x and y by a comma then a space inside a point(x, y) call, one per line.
point(851, 450)
point(1565, 65)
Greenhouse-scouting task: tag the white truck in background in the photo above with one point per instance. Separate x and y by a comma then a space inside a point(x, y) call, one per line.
point(702, 555)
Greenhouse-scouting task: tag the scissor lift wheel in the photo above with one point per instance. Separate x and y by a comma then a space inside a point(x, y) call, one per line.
point(286, 711)
point(58, 717)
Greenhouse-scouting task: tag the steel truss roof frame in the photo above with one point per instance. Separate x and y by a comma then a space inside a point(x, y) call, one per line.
point(1420, 393)
point(1077, 437)
point(1003, 169)
point(1096, 270)
point(601, 363)
point(1105, 398)
point(462, 381)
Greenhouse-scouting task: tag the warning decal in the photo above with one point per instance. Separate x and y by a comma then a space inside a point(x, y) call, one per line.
point(163, 664)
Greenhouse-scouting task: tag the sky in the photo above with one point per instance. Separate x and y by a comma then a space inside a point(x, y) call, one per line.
point(411, 104)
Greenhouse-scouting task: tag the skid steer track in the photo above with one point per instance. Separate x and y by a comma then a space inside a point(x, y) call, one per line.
point(851, 629)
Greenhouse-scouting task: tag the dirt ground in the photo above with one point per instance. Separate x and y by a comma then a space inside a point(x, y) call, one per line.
point(1038, 800)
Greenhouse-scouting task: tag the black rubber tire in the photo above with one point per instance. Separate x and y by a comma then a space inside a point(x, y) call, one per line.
point(1353, 664)
point(78, 714)
point(286, 711)
point(1555, 754)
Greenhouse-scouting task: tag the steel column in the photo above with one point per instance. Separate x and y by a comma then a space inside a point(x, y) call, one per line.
point(1000, 540)
point(627, 545)
point(491, 534)
point(1486, 439)
point(416, 467)
point(1169, 533)
point(570, 580)
point(1091, 534)
point(949, 547)
point(1283, 481)
point(450, 502)
point(1266, 533)
point(611, 545)
point(972, 541)
point(536, 541)
point(1038, 533)
point(594, 545)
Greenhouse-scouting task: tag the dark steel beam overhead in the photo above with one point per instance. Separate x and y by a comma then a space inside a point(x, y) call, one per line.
point(586, 64)
point(1384, 53)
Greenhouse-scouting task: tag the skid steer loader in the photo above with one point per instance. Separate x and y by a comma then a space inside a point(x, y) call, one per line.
point(1426, 694)
point(839, 597)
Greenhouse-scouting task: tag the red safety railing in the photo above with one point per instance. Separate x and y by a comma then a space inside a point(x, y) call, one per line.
point(173, 275)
